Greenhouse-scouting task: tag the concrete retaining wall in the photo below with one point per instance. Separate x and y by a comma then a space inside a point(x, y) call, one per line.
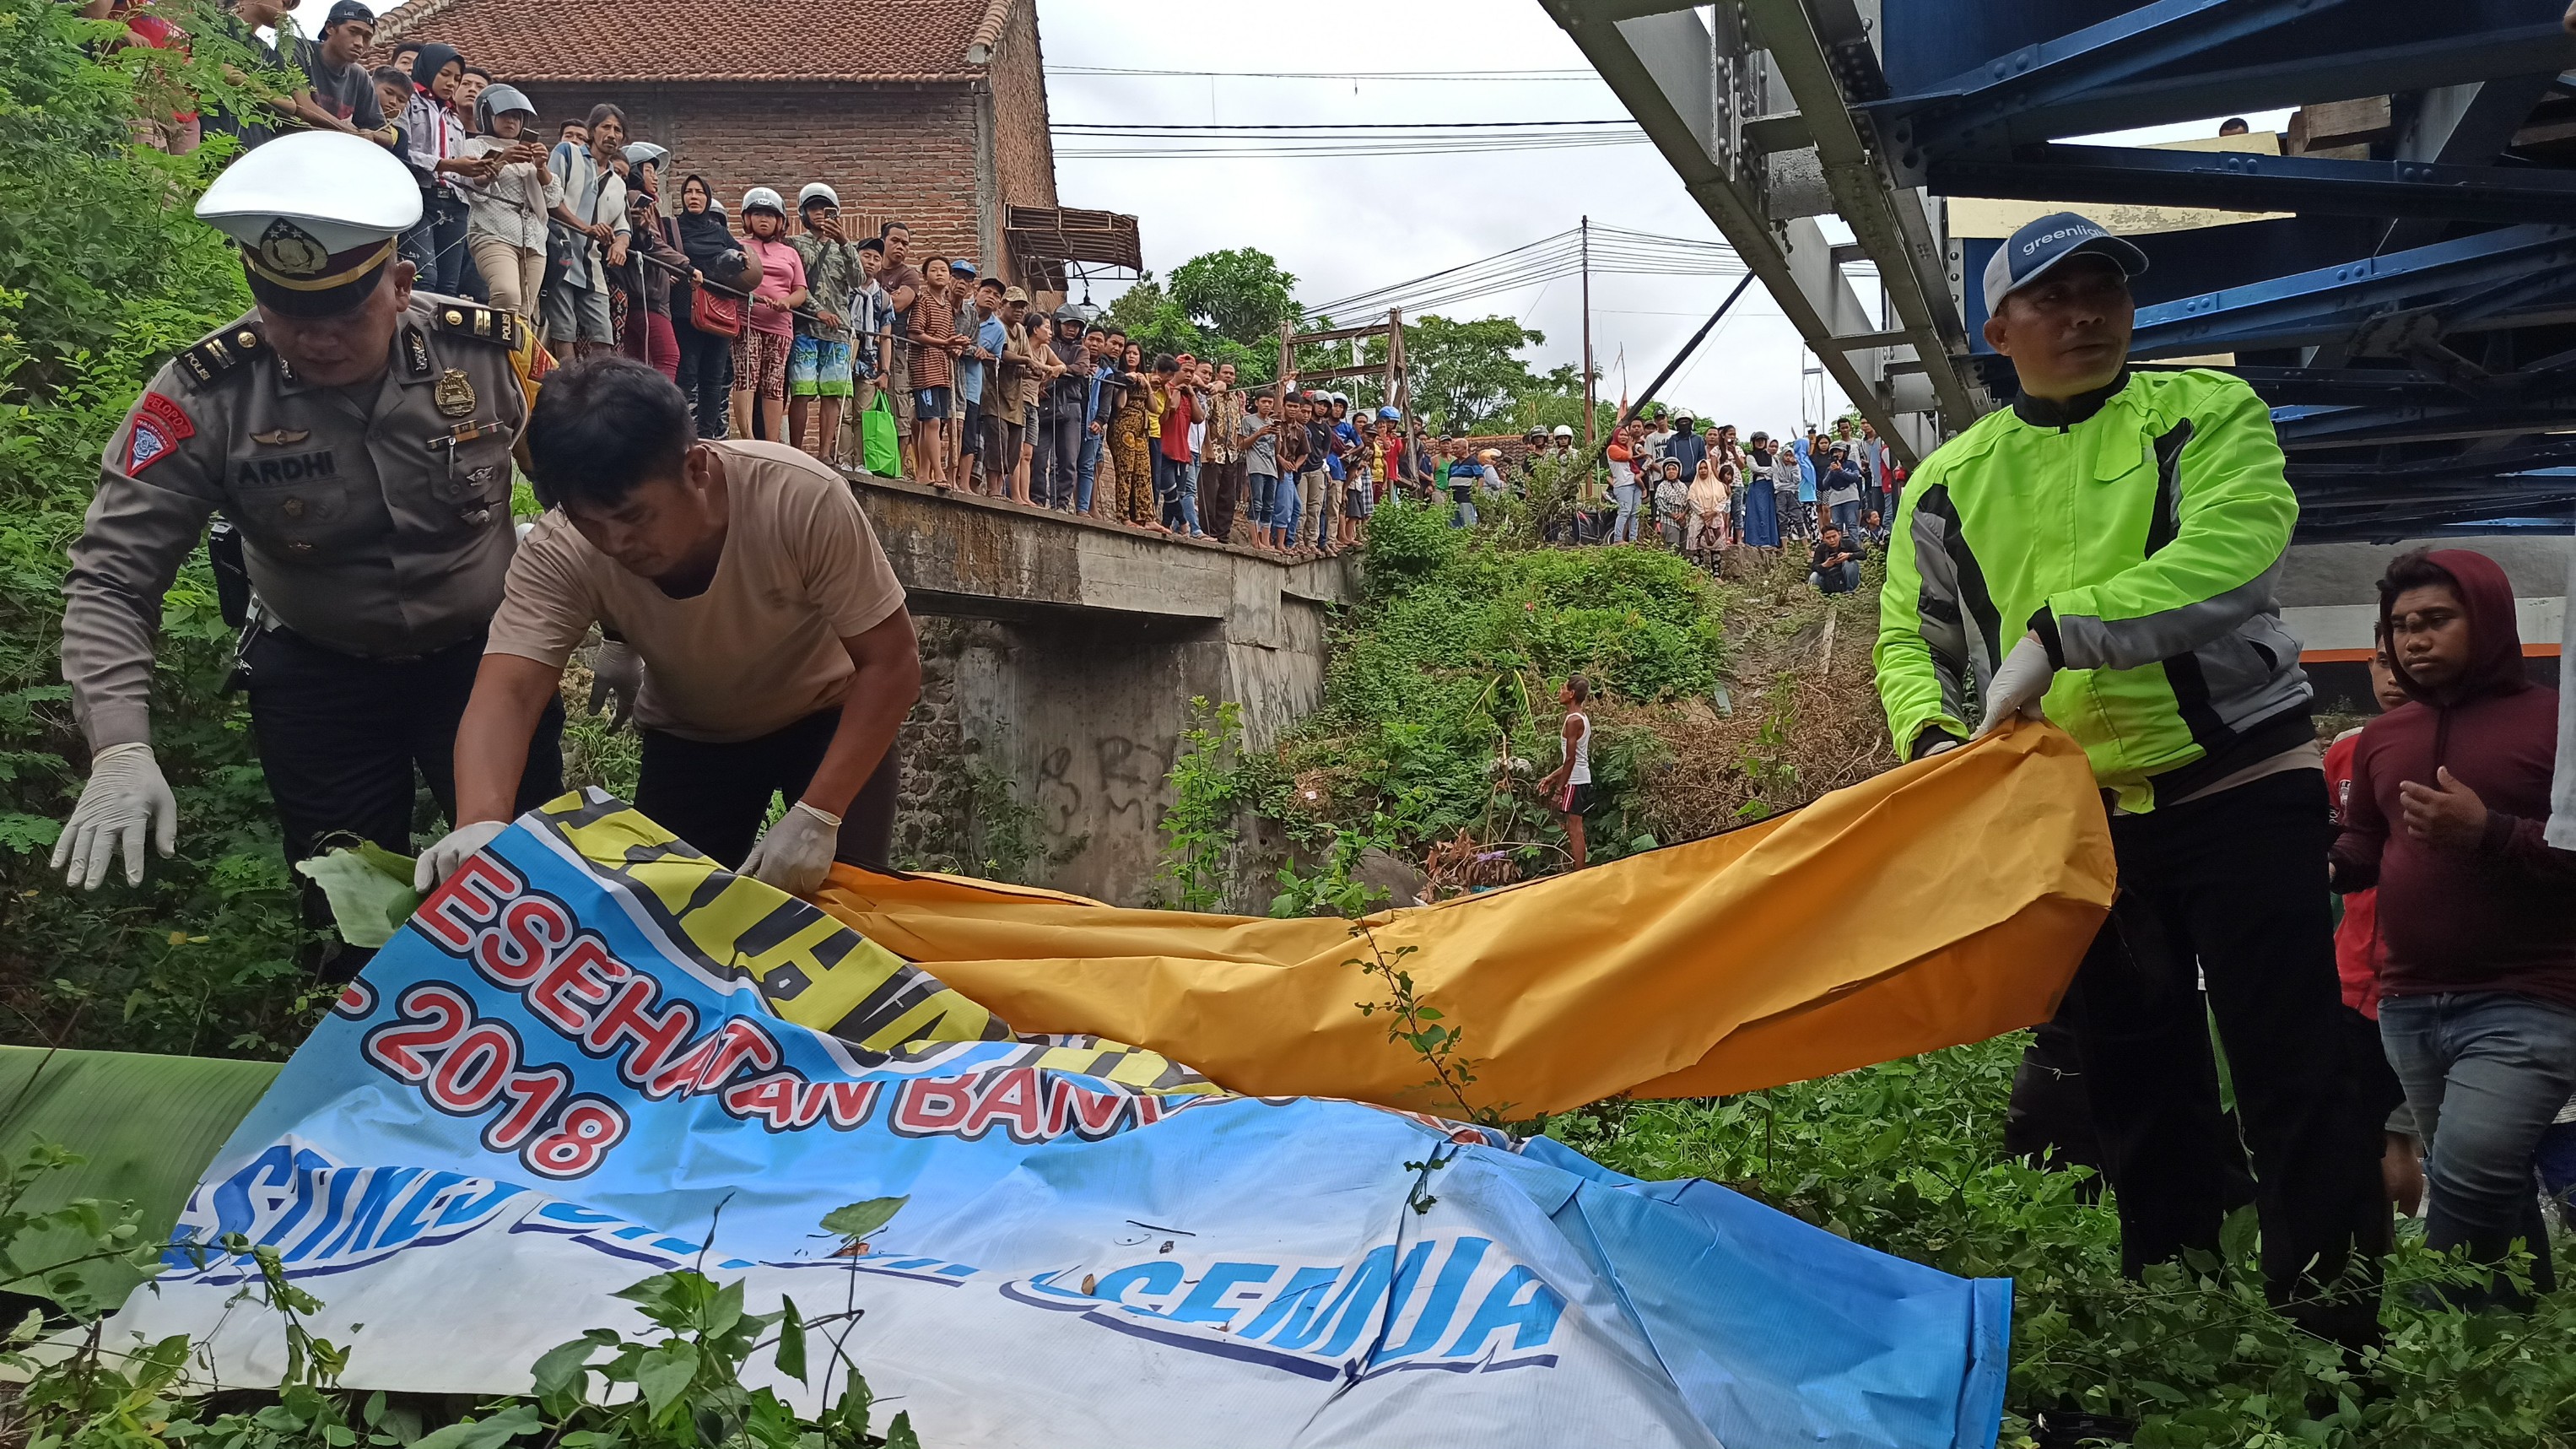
point(1062, 654)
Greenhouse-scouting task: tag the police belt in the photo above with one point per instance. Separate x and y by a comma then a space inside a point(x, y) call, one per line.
point(269, 625)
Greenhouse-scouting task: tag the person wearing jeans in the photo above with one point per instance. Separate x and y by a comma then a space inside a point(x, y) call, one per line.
point(2485, 1073)
point(1623, 528)
point(2477, 944)
point(1101, 372)
point(1462, 478)
point(1842, 488)
point(1256, 438)
point(1289, 447)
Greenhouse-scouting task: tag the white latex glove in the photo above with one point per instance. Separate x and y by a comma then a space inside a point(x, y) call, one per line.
point(440, 861)
point(2019, 684)
point(125, 798)
point(1945, 746)
point(616, 673)
point(796, 853)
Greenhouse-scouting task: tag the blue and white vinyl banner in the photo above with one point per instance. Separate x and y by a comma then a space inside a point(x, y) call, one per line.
point(581, 1063)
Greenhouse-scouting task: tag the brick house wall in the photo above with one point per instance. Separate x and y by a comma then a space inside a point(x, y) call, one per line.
point(1023, 152)
point(931, 112)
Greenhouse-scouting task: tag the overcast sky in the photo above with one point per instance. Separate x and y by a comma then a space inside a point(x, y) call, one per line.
point(1344, 225)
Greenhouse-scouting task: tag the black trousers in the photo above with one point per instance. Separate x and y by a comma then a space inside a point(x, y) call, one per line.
point(1055, 471)
point(2232, 888)
point(1220, 495)
point(1001, 450)
point(706, 378)
point(2050, 1120)
point(340, 738)
point(716, 796)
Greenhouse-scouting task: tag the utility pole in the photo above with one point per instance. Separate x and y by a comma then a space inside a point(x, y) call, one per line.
point(1394, 352)
point(1587, 335)
point(1279, 379)
point(1399, 384)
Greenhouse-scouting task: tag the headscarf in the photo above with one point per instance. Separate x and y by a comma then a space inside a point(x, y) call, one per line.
point(1707, 490)
point(432, 59)
point(710, 244)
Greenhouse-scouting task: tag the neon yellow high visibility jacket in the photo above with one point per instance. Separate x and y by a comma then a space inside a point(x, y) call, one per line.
point(2138, 531)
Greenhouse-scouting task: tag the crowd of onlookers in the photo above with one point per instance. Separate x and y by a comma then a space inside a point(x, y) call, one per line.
point(1698, 487)
point(784, 323)
point(781, 323)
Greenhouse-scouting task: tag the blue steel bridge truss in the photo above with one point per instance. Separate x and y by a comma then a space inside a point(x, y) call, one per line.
point(2408, 308)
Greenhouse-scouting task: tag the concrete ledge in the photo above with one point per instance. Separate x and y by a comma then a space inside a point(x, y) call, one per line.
point(968, 554)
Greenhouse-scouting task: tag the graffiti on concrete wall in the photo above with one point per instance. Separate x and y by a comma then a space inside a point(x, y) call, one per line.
point(1125, 779)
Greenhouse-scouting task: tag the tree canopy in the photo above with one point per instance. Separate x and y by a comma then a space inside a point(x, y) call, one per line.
point(1156, 321)
point(1242, 295)
point(1465, 375)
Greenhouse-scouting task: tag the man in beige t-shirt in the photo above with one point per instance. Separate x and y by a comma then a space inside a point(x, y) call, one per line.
point(778, 656)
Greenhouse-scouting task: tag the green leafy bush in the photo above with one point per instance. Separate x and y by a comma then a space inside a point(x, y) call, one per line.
point(1451, 664)
point(103, 274)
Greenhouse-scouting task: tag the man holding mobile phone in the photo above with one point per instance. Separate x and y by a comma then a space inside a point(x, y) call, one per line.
point(818, 365)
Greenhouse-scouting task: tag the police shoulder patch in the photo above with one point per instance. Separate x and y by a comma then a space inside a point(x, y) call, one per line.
point(220, 352)
point(483, 324)
point(159, 427)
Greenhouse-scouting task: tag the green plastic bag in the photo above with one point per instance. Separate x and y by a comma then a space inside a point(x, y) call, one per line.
point(880, 444)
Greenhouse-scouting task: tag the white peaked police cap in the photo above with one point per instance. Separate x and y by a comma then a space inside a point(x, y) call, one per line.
point(329, 189)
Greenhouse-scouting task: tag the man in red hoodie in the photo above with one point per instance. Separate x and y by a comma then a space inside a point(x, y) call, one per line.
point(2477, 966)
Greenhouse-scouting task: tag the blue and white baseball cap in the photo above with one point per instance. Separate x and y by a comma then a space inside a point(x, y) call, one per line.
point(2031, 251)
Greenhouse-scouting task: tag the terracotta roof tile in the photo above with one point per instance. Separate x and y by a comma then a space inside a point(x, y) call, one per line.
point(710, 40)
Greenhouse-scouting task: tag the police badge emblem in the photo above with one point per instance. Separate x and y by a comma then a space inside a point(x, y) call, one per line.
point(454, 395)
point(288, 250)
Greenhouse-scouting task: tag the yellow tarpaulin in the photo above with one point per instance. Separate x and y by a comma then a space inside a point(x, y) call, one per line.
point(1943, 902)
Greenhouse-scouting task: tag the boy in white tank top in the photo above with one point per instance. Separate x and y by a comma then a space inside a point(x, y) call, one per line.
point(1568, 788)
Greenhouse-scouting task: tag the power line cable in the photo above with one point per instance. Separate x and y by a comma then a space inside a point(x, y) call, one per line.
point(1568, 73)
point(1462, 147)
point(1626, 252)
point(1157, 126)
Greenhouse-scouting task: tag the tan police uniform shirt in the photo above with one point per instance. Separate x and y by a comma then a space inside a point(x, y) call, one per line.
point(761, 647)
point(375, 520)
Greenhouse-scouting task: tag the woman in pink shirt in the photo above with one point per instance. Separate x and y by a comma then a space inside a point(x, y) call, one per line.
point(768, 328)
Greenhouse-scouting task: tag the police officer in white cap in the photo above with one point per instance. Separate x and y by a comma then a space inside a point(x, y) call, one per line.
point(356, 435)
